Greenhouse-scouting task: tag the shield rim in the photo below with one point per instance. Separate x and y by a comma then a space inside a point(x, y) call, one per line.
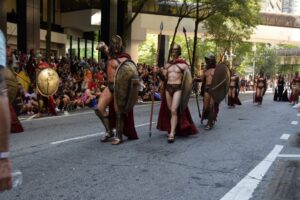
point(227, 82)
point(126, 109)
point(37, 84)
point(183, 105)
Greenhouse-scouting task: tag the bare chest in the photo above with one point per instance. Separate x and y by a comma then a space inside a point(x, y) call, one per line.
point(178, 68)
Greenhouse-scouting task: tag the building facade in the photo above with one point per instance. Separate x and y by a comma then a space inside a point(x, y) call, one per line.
point(75, 25)
point(271, 6)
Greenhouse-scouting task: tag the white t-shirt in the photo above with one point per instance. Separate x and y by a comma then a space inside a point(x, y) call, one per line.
point(2, 50)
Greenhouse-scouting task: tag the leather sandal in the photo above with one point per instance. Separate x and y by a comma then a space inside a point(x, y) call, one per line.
point(116, 141)
point(207, 127)
point(106, 137)
point(171, 138)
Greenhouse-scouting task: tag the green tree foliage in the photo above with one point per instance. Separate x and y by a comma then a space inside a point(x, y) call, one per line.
point(148, 50)
point(229, 30)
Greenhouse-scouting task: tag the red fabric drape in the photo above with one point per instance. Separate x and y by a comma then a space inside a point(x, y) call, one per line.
point(16, 126)
point(185, 124)
point(129, 128)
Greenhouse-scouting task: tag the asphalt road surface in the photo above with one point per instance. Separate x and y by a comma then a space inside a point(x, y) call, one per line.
point(253, 152)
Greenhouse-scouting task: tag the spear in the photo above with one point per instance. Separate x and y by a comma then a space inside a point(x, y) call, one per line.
point(188, 49)
point(154, 79)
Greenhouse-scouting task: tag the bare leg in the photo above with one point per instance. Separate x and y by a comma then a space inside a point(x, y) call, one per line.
point(259, 95)
point(104, 101)
point(174, 109)
point(173, 103)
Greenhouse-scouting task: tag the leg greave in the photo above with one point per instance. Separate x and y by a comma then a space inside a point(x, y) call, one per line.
point(119, 125)
point(104, 120)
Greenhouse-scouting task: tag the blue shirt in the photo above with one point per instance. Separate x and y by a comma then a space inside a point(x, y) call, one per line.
point(2, 50)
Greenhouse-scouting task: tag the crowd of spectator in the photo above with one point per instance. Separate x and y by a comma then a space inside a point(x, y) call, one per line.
point(81, 82)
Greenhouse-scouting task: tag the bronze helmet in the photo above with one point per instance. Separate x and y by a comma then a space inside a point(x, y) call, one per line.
point(176, 50)
point(210, 59)
point(116, 44)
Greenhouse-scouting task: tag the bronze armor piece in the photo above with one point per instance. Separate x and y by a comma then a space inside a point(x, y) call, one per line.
point(47, 82)
point(220, 82)
point(11, 84)
point(186, 87)
point(126, 86)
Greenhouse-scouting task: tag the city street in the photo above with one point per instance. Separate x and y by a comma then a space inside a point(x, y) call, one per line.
point(251, 153)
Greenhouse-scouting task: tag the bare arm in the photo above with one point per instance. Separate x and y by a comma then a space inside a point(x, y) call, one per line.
point(103, 48)
point(5, 168)
point(4, 115)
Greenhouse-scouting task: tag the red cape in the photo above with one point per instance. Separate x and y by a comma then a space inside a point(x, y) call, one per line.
point(185, 124)
point(16, 126)
point(177, 61)
point(129, 128)
point(122, 55)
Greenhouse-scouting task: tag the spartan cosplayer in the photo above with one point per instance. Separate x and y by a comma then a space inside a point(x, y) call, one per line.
point(5, 166)
point(295, 86)
point(12, 90)
point(234, 88)
point(47, 82)
point(261, 88)
point(120, 94)
point(174, 115)
point(214, 89)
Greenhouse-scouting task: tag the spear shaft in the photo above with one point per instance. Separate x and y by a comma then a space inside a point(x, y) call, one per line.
point(154, 80)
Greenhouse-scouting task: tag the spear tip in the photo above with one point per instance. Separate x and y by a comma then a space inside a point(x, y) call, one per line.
point(161, 26)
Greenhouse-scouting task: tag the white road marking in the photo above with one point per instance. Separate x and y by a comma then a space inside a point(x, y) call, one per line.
point(30, 118)
point(69, 115)
point(288, 156)
point(285, 136)
point(76, 138)
point(245, 188)
point(294, 122)
point(90, 135)
point(55, 117)
point(298, 114)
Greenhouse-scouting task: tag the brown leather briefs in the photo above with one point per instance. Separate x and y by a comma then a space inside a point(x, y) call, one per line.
point(207, 88)
point(172, 88)
point(111, 87)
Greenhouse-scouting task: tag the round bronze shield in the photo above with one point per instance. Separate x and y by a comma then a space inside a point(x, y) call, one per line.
point(186, 88)
point(126, 86)
point(47, 82)
point(220, 82)
point(11, 84)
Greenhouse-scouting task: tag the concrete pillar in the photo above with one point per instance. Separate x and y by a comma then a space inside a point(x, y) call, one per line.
point(163, 42)
point(3, 14)
point(28, 12)
point(115, 17)
point(123, 17)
